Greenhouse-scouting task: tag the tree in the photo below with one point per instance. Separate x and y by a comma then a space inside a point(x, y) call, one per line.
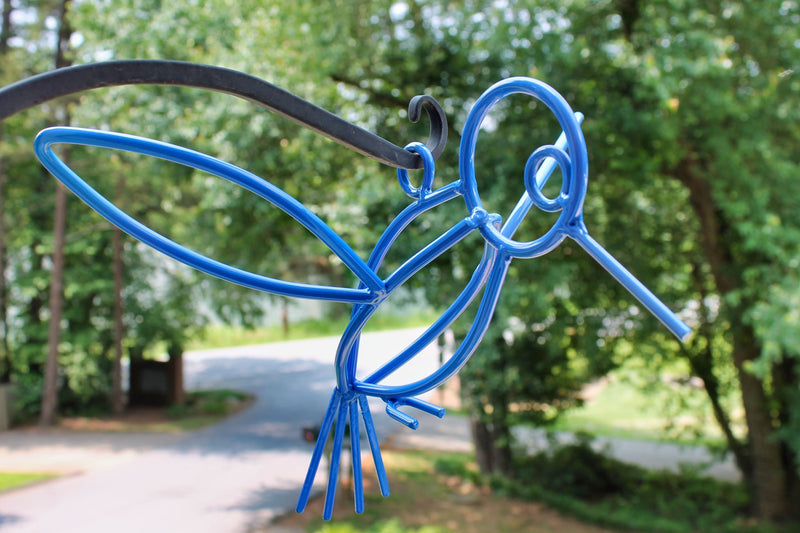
point(210, 215)
point(50, 392)
point(692, 130)
point(721, 74)
point(5, 356)
point(87, 337)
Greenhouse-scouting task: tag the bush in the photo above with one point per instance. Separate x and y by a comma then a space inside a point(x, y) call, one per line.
point(27, 396)
point(215, 402)
point(577, 470)
point(577, 479)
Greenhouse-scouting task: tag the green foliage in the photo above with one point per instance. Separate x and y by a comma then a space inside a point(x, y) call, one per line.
point(692, 113)
point(692, 130)
point(539, 379)
point(578, 479)
point(27, 395)
point(577, 470)
point(86, 382)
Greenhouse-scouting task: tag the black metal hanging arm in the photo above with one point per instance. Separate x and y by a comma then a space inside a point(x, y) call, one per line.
point(57, 83)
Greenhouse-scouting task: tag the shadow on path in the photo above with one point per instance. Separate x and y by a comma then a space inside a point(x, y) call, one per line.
point(224, 478)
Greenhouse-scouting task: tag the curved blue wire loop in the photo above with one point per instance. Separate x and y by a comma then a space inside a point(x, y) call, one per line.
point(349, 398)
point(43, 148)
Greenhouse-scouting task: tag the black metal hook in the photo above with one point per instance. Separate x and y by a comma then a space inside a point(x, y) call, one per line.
point(438, 137)
point(62, 82)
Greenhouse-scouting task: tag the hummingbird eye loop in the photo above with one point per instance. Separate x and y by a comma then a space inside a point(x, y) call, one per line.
point(534, 188)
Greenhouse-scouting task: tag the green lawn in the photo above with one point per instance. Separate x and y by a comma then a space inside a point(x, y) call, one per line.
point(582, 491)
point(12, 480)
point(431, 492)
point(624, 410)
point(220, 336)
point(619, 410)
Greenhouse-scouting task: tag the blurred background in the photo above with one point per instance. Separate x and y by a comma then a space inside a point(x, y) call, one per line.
point(692, 128)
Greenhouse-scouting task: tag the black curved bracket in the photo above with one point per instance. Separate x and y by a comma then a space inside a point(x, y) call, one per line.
point(438, 137)
point(62, 82)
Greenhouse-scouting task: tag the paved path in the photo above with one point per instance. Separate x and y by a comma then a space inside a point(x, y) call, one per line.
point(226, 478)
point(453, 434)
point(237, 475)
point(652, 455)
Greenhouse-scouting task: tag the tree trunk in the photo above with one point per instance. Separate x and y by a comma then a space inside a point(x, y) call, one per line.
point(491, 433)
point(701, 361)
point(5, 29)
point(492, 446)
point(285, 316)
point(484, 451)
point(175, 352)
point(5, 352)
point(6, 26)
point(50, 391)
point(117, 403)
point(501, 438)
point(766, 479)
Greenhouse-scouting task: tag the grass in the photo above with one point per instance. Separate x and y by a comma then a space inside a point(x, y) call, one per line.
point(209, 403)
point(623, 410)
point(432, 492)
point(392, 525)
point(569, 489)
point(202, 408)
point(13, 480)
point(219, 336)
point(619, 410)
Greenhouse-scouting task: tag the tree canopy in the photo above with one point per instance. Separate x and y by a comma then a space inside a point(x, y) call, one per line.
point(691, 123)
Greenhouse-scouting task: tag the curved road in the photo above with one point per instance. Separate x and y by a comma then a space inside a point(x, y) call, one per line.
point(230, 477)
point(236, 476)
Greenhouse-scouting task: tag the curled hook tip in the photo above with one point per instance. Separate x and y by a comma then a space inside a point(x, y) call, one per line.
point(416, 104)
point(438, 136)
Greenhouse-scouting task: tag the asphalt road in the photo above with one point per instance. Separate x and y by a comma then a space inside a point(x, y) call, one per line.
point(236, 476)
point(231, 477)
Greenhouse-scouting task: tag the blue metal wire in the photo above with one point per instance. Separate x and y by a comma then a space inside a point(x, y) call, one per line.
point(350, 395)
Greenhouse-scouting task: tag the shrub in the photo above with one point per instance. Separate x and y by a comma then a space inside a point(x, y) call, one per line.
point(577, 470)
point(578, 479)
